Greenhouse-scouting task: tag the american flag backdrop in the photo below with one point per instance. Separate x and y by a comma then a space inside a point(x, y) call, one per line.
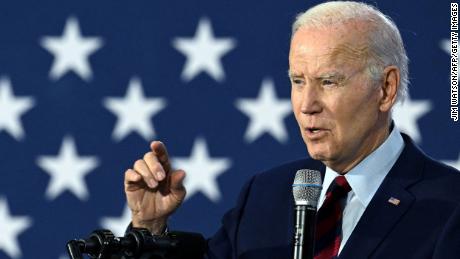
point(86, 85)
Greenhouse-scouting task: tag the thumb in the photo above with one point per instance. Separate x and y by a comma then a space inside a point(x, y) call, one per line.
point(177, 182)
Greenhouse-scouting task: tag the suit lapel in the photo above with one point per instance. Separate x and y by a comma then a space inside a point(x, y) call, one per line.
point(381, 216)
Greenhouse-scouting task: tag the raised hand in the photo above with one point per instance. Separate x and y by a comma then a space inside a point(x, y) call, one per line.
point(153, 189)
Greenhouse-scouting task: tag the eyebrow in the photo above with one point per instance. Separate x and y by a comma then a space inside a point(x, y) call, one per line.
point(330, 75)
point(292, 74)
point(327, 75)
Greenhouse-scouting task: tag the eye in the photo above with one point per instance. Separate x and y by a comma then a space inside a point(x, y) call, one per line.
point(297, 81)
point(328, 82)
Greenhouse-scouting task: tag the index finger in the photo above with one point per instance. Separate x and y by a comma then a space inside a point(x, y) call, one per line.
point(159, 150)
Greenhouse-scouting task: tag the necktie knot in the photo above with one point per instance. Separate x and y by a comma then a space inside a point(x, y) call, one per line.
point(338, 189)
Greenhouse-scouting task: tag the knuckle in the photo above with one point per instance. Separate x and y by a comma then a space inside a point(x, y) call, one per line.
point(149, 156)
point(130, 177)
point(138, 164)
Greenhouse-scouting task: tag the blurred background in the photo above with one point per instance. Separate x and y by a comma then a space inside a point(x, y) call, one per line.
point(86, 85)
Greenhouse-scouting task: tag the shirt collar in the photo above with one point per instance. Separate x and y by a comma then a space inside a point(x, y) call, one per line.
point(366, 177)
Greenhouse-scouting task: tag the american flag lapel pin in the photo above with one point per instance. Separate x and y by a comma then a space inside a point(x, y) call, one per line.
point(394, 201)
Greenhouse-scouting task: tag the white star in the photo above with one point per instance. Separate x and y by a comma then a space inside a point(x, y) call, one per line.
point(67, 170)
point(134, 111)
point(71, 51)
point(406, 115)
point(453, 163)
point(202, 171)
point(266, 113)
point(444, 44)
point(117, 225)
point(203, 52)
point(11, 109)
point(10, 228)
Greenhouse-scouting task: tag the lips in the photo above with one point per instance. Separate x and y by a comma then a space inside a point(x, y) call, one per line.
point(315, 133)
point(313, 130)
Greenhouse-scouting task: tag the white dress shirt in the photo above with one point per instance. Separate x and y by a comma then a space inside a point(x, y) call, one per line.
point(364, 179)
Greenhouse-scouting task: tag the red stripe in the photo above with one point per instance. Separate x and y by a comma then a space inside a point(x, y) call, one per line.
point(337, 241)
point(328, 222)
point(330, 251)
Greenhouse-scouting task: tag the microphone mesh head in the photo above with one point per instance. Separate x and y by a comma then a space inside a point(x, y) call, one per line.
point(307, 187)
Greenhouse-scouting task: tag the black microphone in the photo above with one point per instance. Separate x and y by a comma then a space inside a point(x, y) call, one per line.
point(306, 190)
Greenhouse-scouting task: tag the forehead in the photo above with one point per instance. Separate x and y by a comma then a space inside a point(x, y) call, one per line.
point(333, 46)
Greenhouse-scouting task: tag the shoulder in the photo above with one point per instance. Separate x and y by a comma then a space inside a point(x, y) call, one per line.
point(441, 179)
point(283, 175)
point(437, 180)
point(269, 188)
point(432, 168)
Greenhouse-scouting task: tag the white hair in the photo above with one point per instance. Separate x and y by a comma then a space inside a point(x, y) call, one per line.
point(384, 40)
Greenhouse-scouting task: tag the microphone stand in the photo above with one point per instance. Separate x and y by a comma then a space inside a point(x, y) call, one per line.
point(138, 243)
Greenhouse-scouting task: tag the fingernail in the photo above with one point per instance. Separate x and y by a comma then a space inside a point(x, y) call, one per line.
point(160, 175)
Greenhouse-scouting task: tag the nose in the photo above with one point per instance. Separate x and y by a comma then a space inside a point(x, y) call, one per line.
point(311, 103)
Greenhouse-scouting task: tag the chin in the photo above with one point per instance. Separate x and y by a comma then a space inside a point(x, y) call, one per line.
point(319, 152)
point(316, 155)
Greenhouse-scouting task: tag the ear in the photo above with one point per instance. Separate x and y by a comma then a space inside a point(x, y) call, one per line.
point(389, 88)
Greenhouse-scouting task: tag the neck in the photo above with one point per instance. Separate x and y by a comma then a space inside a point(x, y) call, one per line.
point(370, 143)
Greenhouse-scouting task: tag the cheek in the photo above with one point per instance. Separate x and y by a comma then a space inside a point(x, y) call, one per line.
point(345, 114)
point(294, 97)
point(296, 105)
point(354, 115)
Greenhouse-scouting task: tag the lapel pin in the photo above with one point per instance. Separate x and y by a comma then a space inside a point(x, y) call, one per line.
point(394, 201)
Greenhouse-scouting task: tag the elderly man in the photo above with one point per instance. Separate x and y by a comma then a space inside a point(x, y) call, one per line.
point(348, 67)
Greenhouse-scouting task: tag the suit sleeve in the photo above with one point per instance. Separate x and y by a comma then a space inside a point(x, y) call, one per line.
point(448, 244)
point(223, 245)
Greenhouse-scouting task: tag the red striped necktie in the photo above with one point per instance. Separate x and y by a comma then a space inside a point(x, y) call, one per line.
point(329, 220)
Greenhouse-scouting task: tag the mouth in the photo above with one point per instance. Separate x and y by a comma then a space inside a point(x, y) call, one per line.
point(313, 130)
point(314, 133)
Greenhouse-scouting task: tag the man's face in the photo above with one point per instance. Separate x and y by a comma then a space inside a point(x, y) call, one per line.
point(335, 103)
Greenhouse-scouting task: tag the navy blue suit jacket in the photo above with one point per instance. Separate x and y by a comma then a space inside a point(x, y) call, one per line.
point(426, 223)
